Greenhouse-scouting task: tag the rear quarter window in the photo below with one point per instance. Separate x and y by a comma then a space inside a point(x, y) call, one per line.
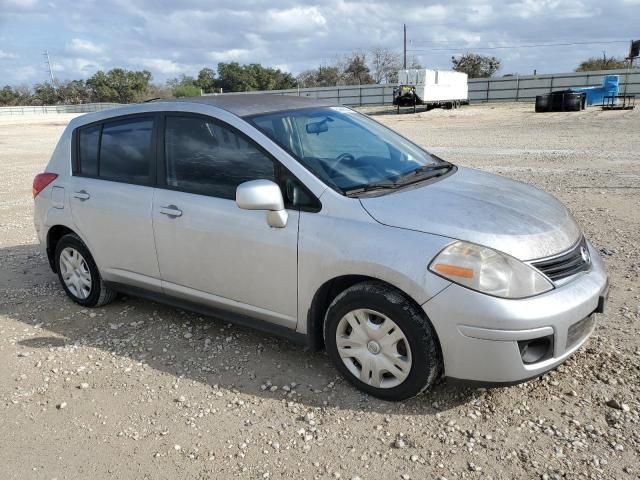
point(88, 141)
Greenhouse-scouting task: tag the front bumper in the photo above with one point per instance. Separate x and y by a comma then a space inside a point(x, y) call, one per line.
point(479, 334)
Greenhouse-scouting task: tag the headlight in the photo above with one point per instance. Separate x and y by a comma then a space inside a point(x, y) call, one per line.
point(485, 270)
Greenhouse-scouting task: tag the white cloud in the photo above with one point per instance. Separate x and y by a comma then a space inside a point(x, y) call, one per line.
point(24, 74)
point(231, 55)
point(430, 13)
point(19, 4)
point(81, 46)
point(560, 9)
point(7, 55)
point(76, 67)
point(161, 65)
point(296, 19)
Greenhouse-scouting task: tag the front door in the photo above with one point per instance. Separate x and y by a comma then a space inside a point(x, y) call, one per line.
point(210, 250)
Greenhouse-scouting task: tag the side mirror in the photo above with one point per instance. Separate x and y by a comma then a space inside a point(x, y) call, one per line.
point(263, 195)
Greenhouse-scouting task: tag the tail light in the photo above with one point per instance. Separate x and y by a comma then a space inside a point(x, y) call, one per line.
point(41, 181)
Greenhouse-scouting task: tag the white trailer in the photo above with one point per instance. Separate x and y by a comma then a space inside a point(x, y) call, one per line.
point(433, 88)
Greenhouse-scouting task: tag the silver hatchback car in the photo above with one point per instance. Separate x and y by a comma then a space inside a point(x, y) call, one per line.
point(312, 221)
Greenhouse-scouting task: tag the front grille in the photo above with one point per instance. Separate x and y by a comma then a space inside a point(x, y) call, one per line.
point(575, 260)
point(579, 330)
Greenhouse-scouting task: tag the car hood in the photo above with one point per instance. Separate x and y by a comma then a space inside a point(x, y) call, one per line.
point(479, 207)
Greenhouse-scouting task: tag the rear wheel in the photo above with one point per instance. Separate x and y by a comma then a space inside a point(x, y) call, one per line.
point(382, 342)
point(79, 275)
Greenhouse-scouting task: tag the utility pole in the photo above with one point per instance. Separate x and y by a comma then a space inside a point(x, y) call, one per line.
point(404, 56)
point(47, 62)
point(629, 65)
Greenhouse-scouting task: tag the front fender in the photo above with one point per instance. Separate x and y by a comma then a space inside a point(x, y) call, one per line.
point(330, 247)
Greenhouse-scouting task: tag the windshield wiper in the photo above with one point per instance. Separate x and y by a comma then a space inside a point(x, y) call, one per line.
point(370, 187)
point(406, 179)
point(415, 175)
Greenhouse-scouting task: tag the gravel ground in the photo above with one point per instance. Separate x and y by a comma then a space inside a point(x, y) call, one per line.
point(141, 390)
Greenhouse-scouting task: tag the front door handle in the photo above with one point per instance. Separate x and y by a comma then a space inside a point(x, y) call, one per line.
point(171, 210)
point(81, 195)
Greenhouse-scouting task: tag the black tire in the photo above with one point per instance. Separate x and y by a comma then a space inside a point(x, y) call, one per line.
point(427, 363)
point(99, 294)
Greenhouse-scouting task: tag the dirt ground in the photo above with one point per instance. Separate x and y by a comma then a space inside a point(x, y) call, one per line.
point(141, 390)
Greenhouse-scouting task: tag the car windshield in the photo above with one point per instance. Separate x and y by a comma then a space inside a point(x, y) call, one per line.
point(345, 149)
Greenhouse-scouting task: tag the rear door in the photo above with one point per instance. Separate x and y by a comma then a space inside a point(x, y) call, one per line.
point(209, 250)
point(111, 197)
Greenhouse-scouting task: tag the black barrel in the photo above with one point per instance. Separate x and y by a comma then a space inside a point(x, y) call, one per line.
point(557, 102)
point(542, 103)
point(572, 102)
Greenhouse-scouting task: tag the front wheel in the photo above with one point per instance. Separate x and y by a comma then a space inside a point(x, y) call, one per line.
point(382, 342)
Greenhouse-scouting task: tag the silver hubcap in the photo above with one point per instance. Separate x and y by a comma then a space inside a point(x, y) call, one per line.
point(75, 272)
point(373, 348)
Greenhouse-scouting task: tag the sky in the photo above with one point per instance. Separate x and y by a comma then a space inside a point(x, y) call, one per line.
point(170, 38)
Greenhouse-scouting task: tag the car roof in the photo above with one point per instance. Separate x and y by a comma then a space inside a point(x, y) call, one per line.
point(247, 104)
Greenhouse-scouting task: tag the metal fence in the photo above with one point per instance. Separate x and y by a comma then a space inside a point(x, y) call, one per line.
point(522, 88)
point(525, 88)
point(44, 109)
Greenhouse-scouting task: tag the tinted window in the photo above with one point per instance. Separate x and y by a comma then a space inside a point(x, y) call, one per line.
point(208, 158)
point(88, 141)
point(125, 150)
point(295, 195)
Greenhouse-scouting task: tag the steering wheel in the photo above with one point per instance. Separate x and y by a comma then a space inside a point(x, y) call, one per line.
point(342, 157)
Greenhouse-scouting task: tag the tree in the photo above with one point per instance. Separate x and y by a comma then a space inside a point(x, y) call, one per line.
point(233, 77)
point(356, 71)
point(15, 96)
point(119, 85)
point(45, 94)
point(476, 66)
point(326, 76)
point(207, 80)
point(157, 91)
point(385, 64)
point(604, 63)
point(73, 91)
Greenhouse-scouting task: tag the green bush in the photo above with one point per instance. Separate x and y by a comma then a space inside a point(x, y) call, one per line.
point(186, 91)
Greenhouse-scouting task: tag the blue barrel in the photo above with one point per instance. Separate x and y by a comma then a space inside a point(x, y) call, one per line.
point(595, 95)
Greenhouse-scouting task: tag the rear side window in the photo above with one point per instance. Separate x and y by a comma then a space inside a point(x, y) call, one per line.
point(125, 150)
point(88, 140)
point(208, 158)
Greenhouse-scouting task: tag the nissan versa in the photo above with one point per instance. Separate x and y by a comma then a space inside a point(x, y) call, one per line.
point(310, 220)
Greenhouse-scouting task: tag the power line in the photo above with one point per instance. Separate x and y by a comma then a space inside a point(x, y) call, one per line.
point(424, 42)
point(470, 47)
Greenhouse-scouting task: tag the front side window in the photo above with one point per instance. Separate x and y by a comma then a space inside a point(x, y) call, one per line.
point(208, 158)
point(125, 150)
point(345, 149)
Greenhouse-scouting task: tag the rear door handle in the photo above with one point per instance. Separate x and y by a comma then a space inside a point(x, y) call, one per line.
point(171, 210)
point(81, 195)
